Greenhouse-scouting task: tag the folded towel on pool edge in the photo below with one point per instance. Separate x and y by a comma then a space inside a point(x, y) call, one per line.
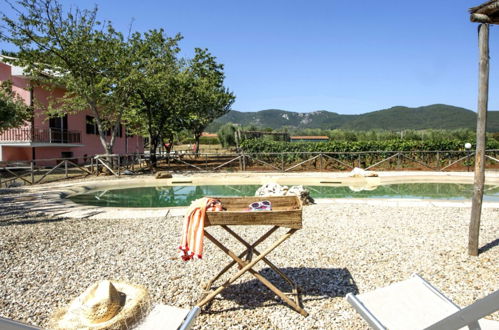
point(191, 245)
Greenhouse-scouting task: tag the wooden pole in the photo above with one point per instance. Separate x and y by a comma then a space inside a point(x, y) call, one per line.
point(483, 95)
point(118, 161)
point(32, 170)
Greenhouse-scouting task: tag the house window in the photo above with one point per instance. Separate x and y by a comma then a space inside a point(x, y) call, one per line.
point(120, 131)
point(91, 125)
point(67, 154)
point(93, 129)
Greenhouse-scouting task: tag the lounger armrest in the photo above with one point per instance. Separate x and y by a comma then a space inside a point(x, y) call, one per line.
point(8, 324)
point(469, 315)
point(364, 312)
point(189, 319)
point(166, 317)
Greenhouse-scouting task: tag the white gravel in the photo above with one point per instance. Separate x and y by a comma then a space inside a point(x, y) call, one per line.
point(47, 261)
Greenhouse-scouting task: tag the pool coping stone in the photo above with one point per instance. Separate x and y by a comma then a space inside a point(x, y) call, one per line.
point(52, 198)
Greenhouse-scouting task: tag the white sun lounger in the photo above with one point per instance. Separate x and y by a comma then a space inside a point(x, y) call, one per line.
point(416, 304)
point(163, 317)
point(8, 324)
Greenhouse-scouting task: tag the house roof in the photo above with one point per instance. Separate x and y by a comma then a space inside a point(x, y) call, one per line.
point(205, 134)
point(16, 71)
point(310, 137)
point(487, 12)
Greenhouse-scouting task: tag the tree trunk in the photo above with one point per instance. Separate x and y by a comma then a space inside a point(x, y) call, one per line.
point(108, 147)
point(197, 137)
point(170, 144)
point(152, 152)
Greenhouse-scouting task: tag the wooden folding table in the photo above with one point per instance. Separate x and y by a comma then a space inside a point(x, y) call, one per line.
point(286, 212)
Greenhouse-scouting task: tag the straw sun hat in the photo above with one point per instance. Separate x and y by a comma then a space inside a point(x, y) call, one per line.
point(104, 305)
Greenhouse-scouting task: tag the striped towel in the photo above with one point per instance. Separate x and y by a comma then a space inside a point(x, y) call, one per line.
point(193, 229)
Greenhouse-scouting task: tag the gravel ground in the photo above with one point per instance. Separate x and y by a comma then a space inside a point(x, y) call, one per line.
point(46, 261)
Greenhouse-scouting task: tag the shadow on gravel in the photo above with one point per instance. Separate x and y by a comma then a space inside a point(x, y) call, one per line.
point(11, 191)
point(488, 246)
point(316, 284)
point(22, 210)
point(27, 210)
point(29, 221)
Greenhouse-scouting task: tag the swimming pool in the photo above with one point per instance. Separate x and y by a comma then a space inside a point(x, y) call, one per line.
point(183, 195)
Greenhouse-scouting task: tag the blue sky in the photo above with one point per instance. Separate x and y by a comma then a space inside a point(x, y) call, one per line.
point(342, 56)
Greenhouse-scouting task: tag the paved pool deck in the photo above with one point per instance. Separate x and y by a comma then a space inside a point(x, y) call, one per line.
point(52, 198)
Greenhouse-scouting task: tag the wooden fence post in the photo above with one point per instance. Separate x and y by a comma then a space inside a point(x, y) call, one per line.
point(66, 168)
point(479, 180)
point(32, 169)
point(118, 161)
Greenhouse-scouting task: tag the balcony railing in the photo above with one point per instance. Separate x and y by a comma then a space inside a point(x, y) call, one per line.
point(45, 135)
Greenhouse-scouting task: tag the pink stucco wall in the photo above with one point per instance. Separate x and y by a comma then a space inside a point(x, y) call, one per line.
point(5, 72)
point(91, 144)
point(16, 153)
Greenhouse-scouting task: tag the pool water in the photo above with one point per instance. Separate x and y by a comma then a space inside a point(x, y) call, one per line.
point(184, 195)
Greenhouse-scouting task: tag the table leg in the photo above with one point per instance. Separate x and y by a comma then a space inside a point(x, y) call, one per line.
point(248, 267)
point(208, 284)
point(295, 289)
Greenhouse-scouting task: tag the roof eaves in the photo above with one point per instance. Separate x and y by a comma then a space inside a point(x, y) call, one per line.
point(486, 12)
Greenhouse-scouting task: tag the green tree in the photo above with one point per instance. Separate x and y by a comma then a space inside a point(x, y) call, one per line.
point(72, 49)
point(227, 135)
point(209, 98)
point(13, 111)
point(160, 87)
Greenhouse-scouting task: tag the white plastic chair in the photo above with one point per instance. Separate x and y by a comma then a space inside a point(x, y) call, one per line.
point(416, 304)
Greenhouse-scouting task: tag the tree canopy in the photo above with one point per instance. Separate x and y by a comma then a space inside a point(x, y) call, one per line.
point(13, 110)
point(73, 50)
point(210, 99)
point(159, 86)
point(139, 80)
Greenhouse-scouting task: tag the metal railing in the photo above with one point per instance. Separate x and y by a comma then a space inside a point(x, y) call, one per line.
point(41, 135)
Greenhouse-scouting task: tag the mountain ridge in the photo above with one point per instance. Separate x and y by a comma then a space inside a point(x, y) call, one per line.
point(434, 116)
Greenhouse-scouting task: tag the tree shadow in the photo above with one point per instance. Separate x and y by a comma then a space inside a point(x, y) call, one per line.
point(488, 246)
point(315, 284)
point(27, 210)
point(11, 191)
point(32, 219)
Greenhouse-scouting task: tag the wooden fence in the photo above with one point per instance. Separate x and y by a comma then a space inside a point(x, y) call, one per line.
point(48, 170)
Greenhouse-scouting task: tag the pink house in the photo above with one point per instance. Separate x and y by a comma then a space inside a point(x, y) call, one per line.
point(72, 136)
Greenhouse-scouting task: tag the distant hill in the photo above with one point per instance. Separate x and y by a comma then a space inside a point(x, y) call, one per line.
point(436, 116)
